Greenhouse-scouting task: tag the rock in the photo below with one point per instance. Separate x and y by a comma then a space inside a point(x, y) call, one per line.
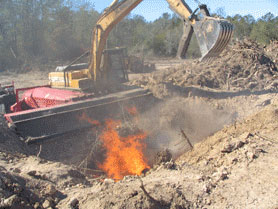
point(9, 202)
point(162, 157)
point(50, 190)
point(252, 85)
point(129, 178)
point(17, 188)
point(257, 152)
point(235, 160)
point(36, 205)
point(16, 170)
point(239, 144)
point(108, 181)
point(76, 174)
point(246, 135)
point(228, 148)
point(56, 200)
point(207, 188)
point(223, 175)
point(266, 102)
point(74, 203)
point(170, 165)
point(32, 173)
point(145, 171)
point(207, 201)
point(46, 204)
point(251, 155)
point(274, 84)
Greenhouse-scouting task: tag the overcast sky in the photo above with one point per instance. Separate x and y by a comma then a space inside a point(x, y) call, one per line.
point(153, 9)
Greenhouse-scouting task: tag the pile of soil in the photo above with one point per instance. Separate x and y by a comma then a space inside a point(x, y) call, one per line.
point(235, 168)
point(240, 162)
point(31, 182)
point(27, 181)
point(244, 65)
point(9, 141)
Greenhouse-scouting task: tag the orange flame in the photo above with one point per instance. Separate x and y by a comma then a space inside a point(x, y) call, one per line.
point(124, 154)
point(132, 111)
point(86, 118)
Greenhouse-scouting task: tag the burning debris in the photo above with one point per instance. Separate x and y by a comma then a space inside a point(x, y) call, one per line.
point(124, 155)
point(123, 146)
point(163, 157)
point(84, 117)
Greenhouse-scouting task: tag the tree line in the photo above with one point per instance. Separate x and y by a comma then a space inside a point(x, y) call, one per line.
point(46, 31)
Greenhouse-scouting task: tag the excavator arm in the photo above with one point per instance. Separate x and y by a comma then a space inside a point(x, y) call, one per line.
point(62, 110)
point(212, 34)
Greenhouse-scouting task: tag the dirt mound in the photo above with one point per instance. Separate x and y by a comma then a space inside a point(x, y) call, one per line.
point(9, 141)
point(241, 66)
point(27, 181)
point(237, 160)
point(31, 182)
point(227, 170)
point(14, 193)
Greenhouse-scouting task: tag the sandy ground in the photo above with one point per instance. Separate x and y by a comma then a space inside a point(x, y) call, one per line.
point(33, 78)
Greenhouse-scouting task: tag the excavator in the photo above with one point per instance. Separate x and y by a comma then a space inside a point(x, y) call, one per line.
point(98, 89)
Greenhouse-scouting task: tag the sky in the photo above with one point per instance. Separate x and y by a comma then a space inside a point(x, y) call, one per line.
point(153, 9)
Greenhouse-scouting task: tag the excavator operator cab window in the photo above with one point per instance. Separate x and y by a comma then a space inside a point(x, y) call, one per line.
point(115, 65)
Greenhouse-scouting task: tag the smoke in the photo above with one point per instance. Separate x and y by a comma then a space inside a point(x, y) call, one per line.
point(165, 122)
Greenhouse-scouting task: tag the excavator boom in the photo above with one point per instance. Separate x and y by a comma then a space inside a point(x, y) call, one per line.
point(213, 34)
point(46, 111)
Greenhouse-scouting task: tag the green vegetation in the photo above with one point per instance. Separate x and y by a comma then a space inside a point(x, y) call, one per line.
point(44, 31)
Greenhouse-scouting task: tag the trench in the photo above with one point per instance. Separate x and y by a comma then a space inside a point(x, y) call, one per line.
point(172, 124)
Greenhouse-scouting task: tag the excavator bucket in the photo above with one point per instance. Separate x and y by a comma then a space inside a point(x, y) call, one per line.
point(213, 35)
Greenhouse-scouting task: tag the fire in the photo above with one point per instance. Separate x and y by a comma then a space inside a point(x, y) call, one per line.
point(132, 111)
point(124, 154)
point(86, 118)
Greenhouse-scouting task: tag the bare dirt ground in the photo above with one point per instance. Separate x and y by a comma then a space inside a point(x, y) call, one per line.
point(228, 109)
point(31, 78)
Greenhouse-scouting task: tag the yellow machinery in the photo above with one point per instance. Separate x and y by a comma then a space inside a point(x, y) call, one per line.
point(213, 35)
point(78, 79)
point(53, 112)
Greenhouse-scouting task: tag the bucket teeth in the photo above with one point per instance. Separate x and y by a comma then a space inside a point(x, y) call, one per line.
point(227, 31)
point(221, 42)
point(213, 36)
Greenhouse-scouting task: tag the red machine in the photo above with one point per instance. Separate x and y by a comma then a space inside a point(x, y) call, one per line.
point(43, 96)
point(44, 112)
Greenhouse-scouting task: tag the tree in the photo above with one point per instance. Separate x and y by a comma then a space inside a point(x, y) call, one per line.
point(243, 25)
point(266, 29)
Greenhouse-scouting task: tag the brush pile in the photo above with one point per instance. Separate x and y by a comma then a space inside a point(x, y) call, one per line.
point(272, 51)
point(243, 65)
